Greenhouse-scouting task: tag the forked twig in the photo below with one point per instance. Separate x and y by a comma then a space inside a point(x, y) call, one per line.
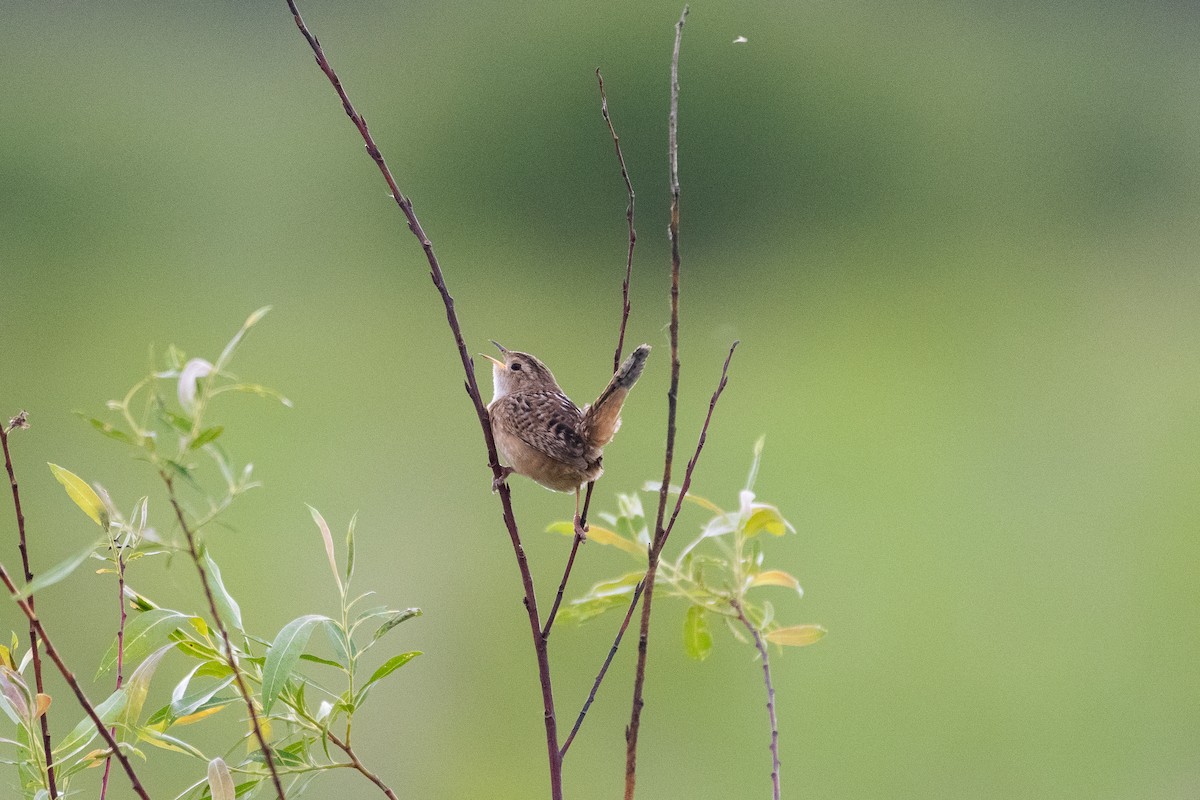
point(18, 422)
point(472, 387)
point(230, 659)
point(766, 665)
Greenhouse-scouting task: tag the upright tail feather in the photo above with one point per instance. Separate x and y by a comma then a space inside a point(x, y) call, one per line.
point(602, 418)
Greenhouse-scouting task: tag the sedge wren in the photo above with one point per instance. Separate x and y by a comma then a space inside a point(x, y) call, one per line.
point(546, 437)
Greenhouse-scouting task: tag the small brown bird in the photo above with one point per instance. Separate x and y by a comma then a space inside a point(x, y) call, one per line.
point(542, 434)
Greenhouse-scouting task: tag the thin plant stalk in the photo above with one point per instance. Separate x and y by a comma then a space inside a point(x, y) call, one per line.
point(635, 716)
point(16, 423)
point(766, 665)
point(72, 682)
point(230, 659)
point(120, 558)
point(629, 213)
point(637, 593)
point(472, 388)
point(345, 747)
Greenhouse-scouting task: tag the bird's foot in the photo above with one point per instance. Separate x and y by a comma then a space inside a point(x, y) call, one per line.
point(581, 528)
point(502, 479)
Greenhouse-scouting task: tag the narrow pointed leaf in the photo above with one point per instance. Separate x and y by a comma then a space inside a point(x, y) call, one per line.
point(56, 573)
point(394, 620)
point(205, 436)
point(387, 668)
point(328, 537)
point(697, 639)
point(138, 685)
point(796, 636)
point(283, 654)
point(350, 548)
point(777, 577)
point(230, 610)
point(83, 495)
point(142, 634)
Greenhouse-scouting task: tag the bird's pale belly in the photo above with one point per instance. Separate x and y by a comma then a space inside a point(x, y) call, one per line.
point(532, 463)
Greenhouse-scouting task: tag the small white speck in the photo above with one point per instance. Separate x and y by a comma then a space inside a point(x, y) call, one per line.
point(740, 40)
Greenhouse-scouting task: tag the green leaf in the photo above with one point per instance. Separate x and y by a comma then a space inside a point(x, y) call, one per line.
point(318, 660)
point(777, 577)
point(256, 389)
point(83, 495)
point(766, 518)
point(165, 741)
point(283, 654)
point(387, 668)
point(228, 607)
point(396, 618)
point(697, 639)
point(183, 703)
point(796, 636)
point(109, 712)
point(250, 322)
point(107, 429)
point(138, 685)
point(220, 782)
point(141, 634)
point(56, 573)
point(328, 537)
point(205, 436)
point(350, 548)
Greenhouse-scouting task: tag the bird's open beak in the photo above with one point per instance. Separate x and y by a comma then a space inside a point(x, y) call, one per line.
point(495, 361)
point(499, 346)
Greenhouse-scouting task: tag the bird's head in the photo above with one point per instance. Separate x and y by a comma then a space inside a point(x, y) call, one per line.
point(519, 372)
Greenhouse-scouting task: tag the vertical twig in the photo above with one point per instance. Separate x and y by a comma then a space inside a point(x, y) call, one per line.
point(766, 665)
point(230, 659)
point(631, 732)
point(562, 585)
point(472, 387)
point(629, 218)
point(17, 422)
point(120, 650)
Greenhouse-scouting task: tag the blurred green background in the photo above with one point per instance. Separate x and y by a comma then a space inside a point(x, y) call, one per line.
point(956, 240)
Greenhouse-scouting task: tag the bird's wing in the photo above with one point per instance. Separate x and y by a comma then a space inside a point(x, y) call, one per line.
point(548, 422)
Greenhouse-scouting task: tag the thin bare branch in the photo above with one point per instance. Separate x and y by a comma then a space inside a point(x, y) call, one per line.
point(631, 732)
point(472, 387)
point(612, 651)
point(16, 423)
point(562, 586)
point(766, 665)
point(629, 212)
point(358, 765)
point(230, 659)
point(120, 649)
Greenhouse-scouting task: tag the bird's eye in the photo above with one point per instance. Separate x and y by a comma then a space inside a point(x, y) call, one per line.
point(516, 366)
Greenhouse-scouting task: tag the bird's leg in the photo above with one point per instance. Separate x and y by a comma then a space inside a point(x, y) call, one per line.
point(581, 526)
point(500, 481)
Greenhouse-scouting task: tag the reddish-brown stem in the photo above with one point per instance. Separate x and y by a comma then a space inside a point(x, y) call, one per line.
point(562, 586)
point(230, 658)
point(16, 423)
point(69, 677)
point(656, 548)
point(345, 747)
point(635, 716)
point(120, 651)
point(612, 651)
point(628, 217)
point(766, 666)
point(472, 387)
